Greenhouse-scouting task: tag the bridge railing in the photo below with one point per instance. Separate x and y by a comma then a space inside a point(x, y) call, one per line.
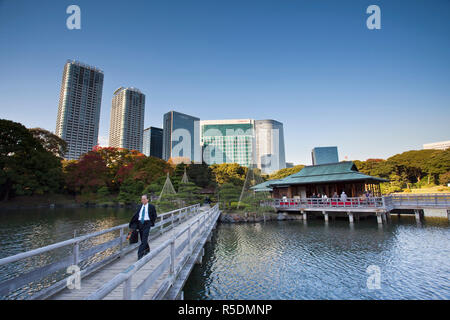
point(421, 200)
point(199, 227)
point(163, 223)
point(306, 203)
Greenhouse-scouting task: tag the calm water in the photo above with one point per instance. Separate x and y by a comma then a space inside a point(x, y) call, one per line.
point(290, 260)
point(272, 260)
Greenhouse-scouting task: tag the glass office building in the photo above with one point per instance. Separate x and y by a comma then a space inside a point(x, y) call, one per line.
point(228, 141)
point(127, 119)
point(181, 137)
point(79, 108)
point(153, 142)
point(248, 142)
point(324, 155)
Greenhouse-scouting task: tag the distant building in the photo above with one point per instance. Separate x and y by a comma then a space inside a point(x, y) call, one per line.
point(127, 119)
point(289, 164)
point(270, 154)
point(437, 145)
point(153, 142)
point(181, 137)
point(227, 141)
point(79, 108)
point(324, 155)
point(247, 142)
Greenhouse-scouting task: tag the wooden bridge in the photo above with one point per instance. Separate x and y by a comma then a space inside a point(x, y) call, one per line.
point(176, 243)
point(356, 207)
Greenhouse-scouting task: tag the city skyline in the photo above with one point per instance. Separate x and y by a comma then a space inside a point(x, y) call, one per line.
point(329, 81)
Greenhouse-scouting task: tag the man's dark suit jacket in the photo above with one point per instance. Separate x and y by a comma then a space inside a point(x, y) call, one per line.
point(134, 223)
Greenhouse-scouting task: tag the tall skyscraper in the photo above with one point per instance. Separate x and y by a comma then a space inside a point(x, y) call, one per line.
point(248, 142)
point(127, 119)
point(324, 155)
point(228, 141)
point(270, 154)
point(153, 142)
point(181, 137)
point(79, 108)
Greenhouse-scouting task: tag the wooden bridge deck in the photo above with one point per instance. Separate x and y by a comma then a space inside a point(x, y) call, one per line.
point(96, 280)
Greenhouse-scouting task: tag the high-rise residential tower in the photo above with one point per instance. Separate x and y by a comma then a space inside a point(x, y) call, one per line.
point(79, 108)
point(181, 137)
point(153, 142)
point(127, 119)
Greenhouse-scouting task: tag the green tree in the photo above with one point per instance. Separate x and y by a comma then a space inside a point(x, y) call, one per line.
point(229, 173)
point(50, 141)
point(26, 168)
point(228, 193)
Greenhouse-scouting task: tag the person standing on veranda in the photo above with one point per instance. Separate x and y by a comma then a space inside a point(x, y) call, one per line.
point(143, 219)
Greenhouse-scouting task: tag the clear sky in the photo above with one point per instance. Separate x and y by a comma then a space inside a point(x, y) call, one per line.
point(313, 65)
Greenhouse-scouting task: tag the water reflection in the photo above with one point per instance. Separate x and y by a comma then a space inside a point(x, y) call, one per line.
point(293, 260)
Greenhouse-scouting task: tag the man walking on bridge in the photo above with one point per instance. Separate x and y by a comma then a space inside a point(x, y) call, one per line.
point(143, 219)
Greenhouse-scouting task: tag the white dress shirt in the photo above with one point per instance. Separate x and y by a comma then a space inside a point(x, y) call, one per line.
point(146, 212)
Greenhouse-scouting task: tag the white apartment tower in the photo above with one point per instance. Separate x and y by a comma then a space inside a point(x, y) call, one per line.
point(127, 119)
point(79, 108)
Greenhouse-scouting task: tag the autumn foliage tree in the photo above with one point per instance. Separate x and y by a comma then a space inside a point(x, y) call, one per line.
point(88, 174)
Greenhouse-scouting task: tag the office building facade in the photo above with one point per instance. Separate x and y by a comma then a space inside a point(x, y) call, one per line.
point(181, 137)
point(153, 142)
point(228, 141)
point(127, 119)
point(79, 108)
point(324, 155)
point(270, 153)
point(248, 142)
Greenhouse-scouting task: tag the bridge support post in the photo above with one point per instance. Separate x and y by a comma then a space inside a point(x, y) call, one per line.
point(350, 216)
point(304, 215)
point(383, 215)
point(379, 218)
point(448, 214)
point(388, 215)
point(200, 256)
point(325, 215)
point(417, 214)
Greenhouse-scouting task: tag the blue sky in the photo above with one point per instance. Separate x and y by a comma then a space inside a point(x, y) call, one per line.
point(312, 65)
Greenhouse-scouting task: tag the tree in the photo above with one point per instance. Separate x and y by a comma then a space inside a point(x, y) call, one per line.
point(283, 173)
point(189, 193)
point(444, 178)
point(229, 173)
point(202, 175)
point(228, 193)
point(26, 168)
point(50, 141)
point(88, 174)
point(120, 162)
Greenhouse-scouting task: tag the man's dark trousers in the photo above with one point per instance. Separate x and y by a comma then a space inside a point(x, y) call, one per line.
point(144, 230)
